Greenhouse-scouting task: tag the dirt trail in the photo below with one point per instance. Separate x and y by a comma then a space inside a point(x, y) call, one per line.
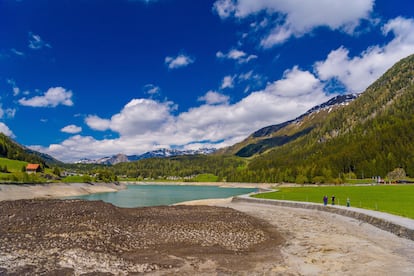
point(321, 243)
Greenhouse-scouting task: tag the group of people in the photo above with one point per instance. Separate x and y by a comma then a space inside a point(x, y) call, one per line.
point(325, 200)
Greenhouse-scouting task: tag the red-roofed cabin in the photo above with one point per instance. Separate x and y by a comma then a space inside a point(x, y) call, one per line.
point(32, 168)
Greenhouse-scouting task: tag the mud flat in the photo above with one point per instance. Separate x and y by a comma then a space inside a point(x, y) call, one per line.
point(73, 237)
point(55, 190)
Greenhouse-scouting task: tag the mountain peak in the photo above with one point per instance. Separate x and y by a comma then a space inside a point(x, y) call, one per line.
point(160, 153)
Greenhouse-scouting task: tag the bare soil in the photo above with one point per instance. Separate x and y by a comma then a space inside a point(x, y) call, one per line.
point(73, 237)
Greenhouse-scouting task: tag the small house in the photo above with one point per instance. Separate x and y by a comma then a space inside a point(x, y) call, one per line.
point(32, 168)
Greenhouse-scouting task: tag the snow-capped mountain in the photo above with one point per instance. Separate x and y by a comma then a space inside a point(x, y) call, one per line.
point(161, 153)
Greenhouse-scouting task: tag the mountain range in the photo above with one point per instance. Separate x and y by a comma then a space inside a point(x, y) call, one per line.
point(160, 153)
point(277, 135)
point(339, 100)
point(361, 135)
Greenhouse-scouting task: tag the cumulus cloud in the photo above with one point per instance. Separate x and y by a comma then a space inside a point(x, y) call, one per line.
point(52, 97)
point(72, 129)
point(96, 123)
point(6, 130)
point(213, 97)
point(237, 55)
point(146, 124)
point(137, 117)
point(178, 61)
point(296, 18)
point(358, 72)
point(36, 42)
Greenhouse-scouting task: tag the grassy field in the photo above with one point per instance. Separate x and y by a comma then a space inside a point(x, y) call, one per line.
point(205, 178)
point(12, 165)
point(393, 199)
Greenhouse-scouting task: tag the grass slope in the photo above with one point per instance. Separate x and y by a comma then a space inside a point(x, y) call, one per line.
point(393, 199)
point(12, 165)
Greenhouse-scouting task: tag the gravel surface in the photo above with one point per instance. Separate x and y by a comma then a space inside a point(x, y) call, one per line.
point(73, 237)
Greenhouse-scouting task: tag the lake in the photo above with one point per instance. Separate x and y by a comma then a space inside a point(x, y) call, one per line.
point(154, 195)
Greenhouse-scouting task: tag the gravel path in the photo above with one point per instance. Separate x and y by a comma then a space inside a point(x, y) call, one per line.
point(321, 243)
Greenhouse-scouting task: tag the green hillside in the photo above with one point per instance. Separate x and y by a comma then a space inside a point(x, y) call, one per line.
point(11, 165)
point(12, 150)
point(371, 136)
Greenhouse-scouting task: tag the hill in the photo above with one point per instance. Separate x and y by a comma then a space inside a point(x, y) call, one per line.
point(12, 150)
point(368, 137)
point(283, 133)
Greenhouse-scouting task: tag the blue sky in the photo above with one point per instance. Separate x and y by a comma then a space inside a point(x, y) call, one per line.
point(88, 79)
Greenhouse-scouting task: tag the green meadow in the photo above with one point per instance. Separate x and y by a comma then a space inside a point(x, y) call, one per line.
point(393, 199)
point(12, 165)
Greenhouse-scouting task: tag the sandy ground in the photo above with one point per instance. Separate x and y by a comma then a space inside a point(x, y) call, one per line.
point(322, 243)
point(54, 190)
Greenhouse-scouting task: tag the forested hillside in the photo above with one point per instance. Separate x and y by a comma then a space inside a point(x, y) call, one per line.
point(181, 167)
point(369, 137)
point(11, 150)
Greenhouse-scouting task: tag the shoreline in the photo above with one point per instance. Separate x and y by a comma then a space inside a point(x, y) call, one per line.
point(218, 184)
point(59, 190)
point(54, 190)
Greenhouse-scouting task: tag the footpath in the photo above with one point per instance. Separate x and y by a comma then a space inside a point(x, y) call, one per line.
point(400, 226)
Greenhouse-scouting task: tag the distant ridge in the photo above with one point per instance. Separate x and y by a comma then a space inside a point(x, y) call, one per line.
point(264, 138)
point(160, 153)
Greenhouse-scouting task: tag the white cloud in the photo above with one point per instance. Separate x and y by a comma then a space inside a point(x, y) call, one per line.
point(227, 82)
point(71, 129)
point(10, 112)
point(6, 130)
point(237, 55)
point(358, 72)
point(146, 124)
point(97, 123)
point(213, 97)
point(178, 61)
point(53, 97)
point(16, 52)
point(16, 90)
point(36, 42)
point(296, 18)
point(151, 89)
point(137, 117)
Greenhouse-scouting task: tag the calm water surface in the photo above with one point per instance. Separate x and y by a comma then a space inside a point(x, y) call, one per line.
point(153, 195)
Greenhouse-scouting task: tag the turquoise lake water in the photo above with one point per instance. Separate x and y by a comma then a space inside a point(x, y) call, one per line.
point(154, 195)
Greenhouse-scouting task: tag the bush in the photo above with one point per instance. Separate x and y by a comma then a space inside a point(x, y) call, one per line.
point(301, 179)
point(397, 174)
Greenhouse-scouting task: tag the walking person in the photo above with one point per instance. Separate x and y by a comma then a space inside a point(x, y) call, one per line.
point(333, 199)
point(325, 200)
point(348, 202)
